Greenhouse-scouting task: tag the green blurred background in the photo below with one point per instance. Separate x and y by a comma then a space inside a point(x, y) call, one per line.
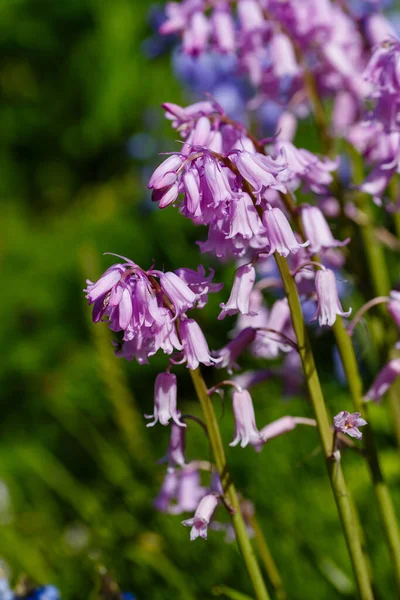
point(80, 127)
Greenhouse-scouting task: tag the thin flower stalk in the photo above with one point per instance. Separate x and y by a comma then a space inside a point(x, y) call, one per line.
point(228, 487)
point(347, 354)
point(339, 487)
point(384, 500)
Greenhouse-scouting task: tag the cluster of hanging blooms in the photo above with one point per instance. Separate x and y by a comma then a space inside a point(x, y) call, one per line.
point(149, 309)
point(260, 203)
point(236, 188)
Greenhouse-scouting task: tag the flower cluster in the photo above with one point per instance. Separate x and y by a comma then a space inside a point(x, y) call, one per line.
point(149, 307)
point(266, 35)
point(242, 190)
point(228, 181)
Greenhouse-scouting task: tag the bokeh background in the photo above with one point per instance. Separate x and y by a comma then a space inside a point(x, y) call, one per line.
point(81, 84)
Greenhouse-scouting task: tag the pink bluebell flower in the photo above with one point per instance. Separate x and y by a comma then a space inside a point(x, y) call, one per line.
point(303, 166)
point(165, 392)
point(260, 171)
point(317, 229)
point(329, 305)
point(348, 423)
point(280, 234)
point(196, 34)
point(179, 293)
point(223, 29)
point(243, 217)
point(246, 431)
point(239, 299)
point(383, 69)
point(195, 348)
point(202, 517)
point(217, 181)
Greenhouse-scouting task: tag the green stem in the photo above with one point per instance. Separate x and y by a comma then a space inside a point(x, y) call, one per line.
point(346, 350)
point(230, 493)
point(384, 500)
point(267, 560)
point(339, 488)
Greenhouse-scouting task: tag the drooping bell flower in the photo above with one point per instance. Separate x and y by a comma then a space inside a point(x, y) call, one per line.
point(283, 56)
point(202, 517)
point(100, 292)
point(165, 392)
point(223, 28)
point(317, 229)
point(260, 171)
point(239, 298)
point(195, 34)
point(246, 431)
point(329, 305)
point(280, 234)
point(250, 16)
point(383, 381)
point(181, 296)
point(304, 166)
point(348, 423)
point(243, 217)
point(194, 344)
point(133, 303)
point(191, 183)
point(378, 29)
point(217, 181)
point(383, 69)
